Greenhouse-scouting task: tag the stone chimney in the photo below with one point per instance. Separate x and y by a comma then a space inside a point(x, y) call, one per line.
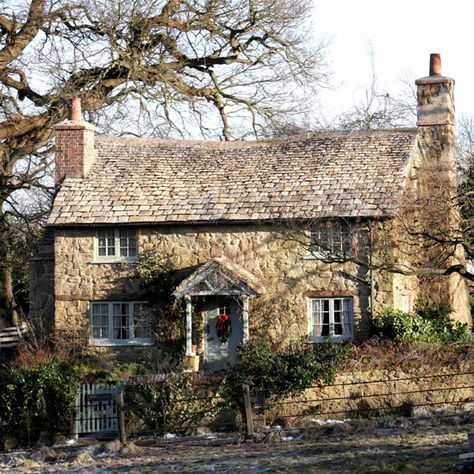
point(436, 120)
point(74, 145)
point(435, 96)
point(435, 196)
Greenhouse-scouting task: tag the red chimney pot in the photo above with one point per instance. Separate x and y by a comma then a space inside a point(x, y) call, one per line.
point(76, 114)
point(435, 64)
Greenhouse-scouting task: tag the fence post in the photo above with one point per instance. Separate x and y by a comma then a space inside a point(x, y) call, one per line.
point(248, 410)
point(121, 418)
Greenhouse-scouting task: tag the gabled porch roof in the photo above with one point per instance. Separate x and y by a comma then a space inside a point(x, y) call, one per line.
point(220, 276)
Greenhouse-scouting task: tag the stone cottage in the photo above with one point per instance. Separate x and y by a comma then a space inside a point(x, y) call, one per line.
point(294, 238)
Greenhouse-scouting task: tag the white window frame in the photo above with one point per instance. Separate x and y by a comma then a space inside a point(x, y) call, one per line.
point(332, 336)
point(117, 257)
point(110, 341)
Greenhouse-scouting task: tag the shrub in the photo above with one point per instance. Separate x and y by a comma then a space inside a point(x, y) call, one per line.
point(36, 399)
point(407, 327)
point(174, 405)
point(429, 323)
point(445, 328)
point(273, 375)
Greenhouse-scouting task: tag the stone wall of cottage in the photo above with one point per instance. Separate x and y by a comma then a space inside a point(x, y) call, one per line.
point(281, 264)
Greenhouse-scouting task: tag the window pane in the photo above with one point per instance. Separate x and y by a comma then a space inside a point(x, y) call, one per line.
point(322, 318)
point(110, 246)
point(317, 317)
point(104, 237)
point(127, 243)
point(346, 245)
point(121, 321)
point(100, 320)
point(348, 318)
point(126, 233)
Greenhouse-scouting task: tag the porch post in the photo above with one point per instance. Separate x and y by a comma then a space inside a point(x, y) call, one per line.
point(189, 326)
point(245, 318)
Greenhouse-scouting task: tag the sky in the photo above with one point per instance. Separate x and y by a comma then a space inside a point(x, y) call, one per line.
point(402, 35)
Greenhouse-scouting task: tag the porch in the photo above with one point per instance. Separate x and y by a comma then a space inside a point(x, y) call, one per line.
point(216, 297)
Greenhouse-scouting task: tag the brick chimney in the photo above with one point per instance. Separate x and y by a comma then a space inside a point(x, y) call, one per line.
point(74, 145)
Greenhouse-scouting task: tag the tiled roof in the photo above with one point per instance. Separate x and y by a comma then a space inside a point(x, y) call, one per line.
point(312, 175)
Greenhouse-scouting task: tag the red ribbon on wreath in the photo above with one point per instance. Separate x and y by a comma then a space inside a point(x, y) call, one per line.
point(223, 327)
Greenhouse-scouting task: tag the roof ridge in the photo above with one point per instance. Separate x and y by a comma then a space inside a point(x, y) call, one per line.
point(140, 141)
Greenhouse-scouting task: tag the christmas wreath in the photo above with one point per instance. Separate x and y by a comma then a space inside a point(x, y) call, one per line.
point(223, 327)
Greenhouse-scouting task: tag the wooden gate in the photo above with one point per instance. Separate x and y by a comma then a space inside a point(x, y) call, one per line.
point(96, 410)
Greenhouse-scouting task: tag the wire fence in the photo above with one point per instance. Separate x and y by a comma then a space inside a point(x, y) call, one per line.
point(245, 412)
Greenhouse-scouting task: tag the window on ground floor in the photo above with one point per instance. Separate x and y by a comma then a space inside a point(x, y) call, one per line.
point(120, 323)
point(331, 318)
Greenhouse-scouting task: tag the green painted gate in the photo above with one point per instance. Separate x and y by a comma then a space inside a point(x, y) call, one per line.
point(96, 410)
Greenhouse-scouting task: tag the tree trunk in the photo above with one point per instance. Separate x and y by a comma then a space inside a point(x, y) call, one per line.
point(8, 313)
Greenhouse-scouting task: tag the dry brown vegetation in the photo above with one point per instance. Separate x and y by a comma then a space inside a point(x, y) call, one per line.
point(388, 446)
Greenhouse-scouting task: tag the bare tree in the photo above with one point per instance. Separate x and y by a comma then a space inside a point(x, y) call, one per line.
point(379, 108)
point(426, 236)
point(169, 67)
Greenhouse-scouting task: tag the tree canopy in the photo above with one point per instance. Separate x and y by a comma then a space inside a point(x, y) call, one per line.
point(213, 68)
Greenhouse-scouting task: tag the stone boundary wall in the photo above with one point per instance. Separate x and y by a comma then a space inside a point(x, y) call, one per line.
point(379, 393)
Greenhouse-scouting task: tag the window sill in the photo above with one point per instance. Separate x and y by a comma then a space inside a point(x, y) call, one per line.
point(328, 258)
point(120, 343)
point(318, 340)
point(98, 261)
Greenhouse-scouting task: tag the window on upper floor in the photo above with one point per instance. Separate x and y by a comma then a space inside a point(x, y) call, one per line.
point(331, 238)
point(115, 323)
point(336, 239)
point(331, 318)
point(115, 245)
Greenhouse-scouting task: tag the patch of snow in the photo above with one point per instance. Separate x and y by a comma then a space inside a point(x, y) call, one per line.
point(68, 442)
point(107, 454)
point(288, 438)
point(330, 421)
point(170, 435)
point(209, 435)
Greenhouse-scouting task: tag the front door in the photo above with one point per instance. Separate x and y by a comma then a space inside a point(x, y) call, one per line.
point(223, 333)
